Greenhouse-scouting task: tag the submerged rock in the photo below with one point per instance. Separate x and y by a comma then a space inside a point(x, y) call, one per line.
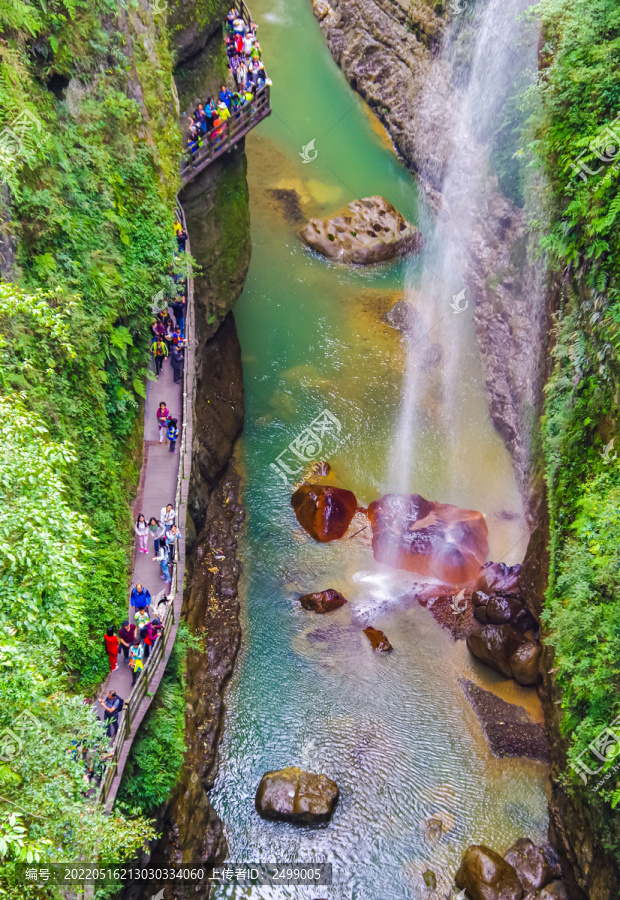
point(507, 727)
point(366, 231)
point(530, 863)
point(486, 876)
point(323, 601)
point(437, 540)
point(498, 578)
point(294, 795)
point(324, 511)
point(377, 639)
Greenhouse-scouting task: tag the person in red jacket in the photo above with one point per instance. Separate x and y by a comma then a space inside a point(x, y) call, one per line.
point(111, 648)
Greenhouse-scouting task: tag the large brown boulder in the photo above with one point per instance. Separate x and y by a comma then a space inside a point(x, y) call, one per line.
point(366, 231)
point(323, 601)
point(530, 863)
point(436, 540)
point(499, 578)
point(294, 795)
point(324, 511)
point(501, 610)
point(494, 645)
point(525, 663)
point(486, 876)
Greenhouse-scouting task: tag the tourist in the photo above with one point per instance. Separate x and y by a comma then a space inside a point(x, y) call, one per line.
point(111, 648)
point(112, 705)
point(168, 516)
point(136, 659)
point(142, 531)
point(173, 433)
point(176, 361)
point(149, 636)
point(163, 414)
point(141, 617)
point(178, 309)
point(163, 564)
point(172, 539)
point(158, 329)
point(158, 533)
point(160, 352)
point(223, 110)
point(140, 598)
point(224, 96)
point(126, 637)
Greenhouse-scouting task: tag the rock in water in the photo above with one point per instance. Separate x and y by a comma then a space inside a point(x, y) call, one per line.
point(530, 863)
point(323, 601)
point(555, 890)
point(499, 578)
point(377, 639)
point(325, 512)
point(486, 876)
point(437, 540)
point(504, 649)
point(525, 663)
point(365, 231)
point(294, 795)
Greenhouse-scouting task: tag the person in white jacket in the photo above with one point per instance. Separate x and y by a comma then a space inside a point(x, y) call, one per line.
point(168, 516)
point(142, 530)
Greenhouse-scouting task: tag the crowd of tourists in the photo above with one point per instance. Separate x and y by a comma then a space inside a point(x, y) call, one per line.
point(211, 121)
point(133, 642)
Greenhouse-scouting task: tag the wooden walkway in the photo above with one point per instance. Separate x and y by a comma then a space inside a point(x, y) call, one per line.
point(164, 478)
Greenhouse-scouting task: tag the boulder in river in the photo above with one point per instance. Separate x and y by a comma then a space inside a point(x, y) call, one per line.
point(500, 609)
point(366, 231)
point(486, 876)
point(498, 578)
point(437, 540)
point(294, 795)
point(324, 511)
point(377, 639)
point(323, 601)
point(507, 651)
point(555, 890)
point(530, 863)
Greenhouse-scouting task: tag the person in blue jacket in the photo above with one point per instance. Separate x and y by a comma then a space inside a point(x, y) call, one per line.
point(173, 433)
point(140, 597)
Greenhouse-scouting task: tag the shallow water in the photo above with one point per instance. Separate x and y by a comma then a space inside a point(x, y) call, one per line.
point(395, 731)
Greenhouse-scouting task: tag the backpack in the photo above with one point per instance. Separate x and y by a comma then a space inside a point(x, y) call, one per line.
point(121, 703)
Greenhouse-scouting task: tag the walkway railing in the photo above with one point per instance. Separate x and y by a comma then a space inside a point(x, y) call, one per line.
point(139, 700)
point(232, 130)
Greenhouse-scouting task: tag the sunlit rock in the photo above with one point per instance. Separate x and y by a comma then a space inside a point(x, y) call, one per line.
point(437, 540)
point(530, 863)
point(484, 875)
point(323, 601)
point(324, 511)
point(378, 640)
point(366, 231)
point(294, 795)
point(507, 651)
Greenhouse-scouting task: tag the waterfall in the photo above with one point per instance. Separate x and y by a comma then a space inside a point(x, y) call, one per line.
point(485, 49)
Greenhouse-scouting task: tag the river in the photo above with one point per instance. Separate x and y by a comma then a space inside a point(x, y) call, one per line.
point(394, 731)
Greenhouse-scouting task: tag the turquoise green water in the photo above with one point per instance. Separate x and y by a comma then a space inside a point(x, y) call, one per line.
point(394, 731)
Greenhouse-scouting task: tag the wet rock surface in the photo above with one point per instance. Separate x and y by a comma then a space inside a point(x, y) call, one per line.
point(507, 651)
point(365, 231)
point(498, 578)
point(377, 639)
point(323, 601)
point(486, 876)
point(530, 863)
point(294, 795)
point(507, 727)
point(324, 511)
point(437, 540)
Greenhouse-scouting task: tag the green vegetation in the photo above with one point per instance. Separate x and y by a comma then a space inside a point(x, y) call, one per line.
point(578, 101)
point(157, 752)
point(90, 187)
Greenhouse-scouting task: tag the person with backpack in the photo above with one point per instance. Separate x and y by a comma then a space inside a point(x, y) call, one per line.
point(142, 532)
point(160, 352)
point(173, 433)
point(112, 706)
point(163, 414)
point(136, 659)
point(140, 598)
point(178, 309)
point(176, 361)
point(111, 648)
point(172, 541)
point(126, 637)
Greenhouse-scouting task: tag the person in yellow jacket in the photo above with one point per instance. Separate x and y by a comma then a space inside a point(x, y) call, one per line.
point(223, 111)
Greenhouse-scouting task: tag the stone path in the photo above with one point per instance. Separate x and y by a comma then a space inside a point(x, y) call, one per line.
point(158, 481)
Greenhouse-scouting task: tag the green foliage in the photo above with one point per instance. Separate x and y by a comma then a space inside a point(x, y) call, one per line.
point(578, 99)
point(156, 758)
point(91, 187)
